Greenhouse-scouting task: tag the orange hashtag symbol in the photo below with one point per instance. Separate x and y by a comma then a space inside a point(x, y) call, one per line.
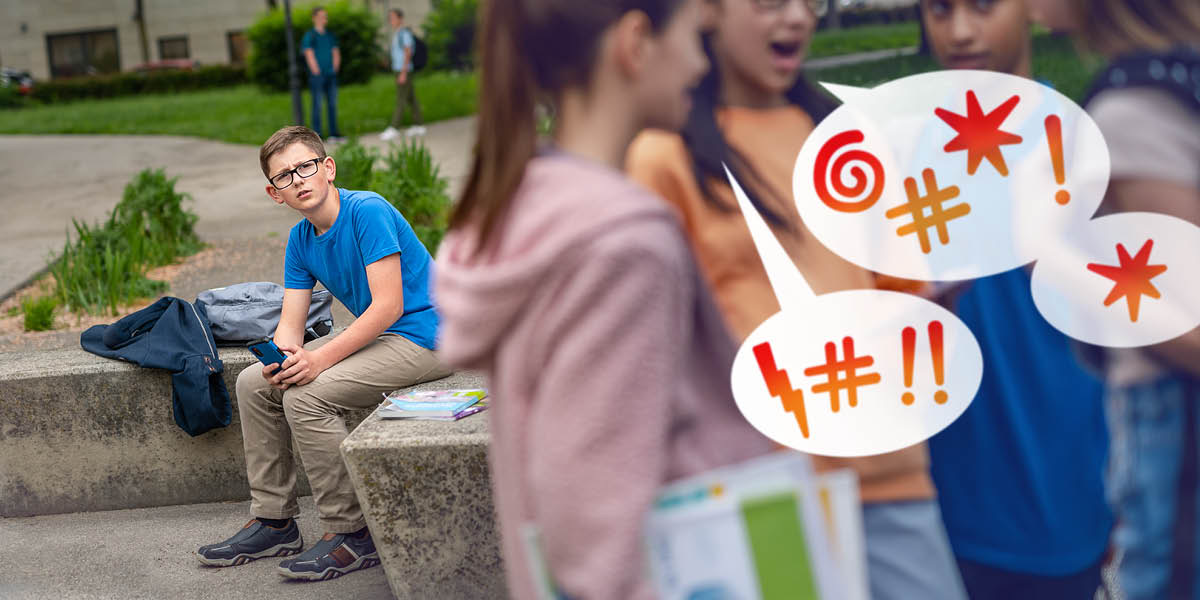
point(851, 382)
point(937, 217)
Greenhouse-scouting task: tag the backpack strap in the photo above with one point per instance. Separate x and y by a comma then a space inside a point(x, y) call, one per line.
point(1176, 72)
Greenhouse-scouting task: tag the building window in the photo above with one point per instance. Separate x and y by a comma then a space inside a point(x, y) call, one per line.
point(83, 53)
point(173, 47)
point(239, 47)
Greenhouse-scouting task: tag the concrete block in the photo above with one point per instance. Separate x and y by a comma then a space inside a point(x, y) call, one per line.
point(83, 433)
point(426, 494)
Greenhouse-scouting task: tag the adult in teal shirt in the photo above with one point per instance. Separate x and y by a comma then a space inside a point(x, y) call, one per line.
point(324, 60)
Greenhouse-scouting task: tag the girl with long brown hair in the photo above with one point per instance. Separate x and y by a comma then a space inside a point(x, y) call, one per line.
point(573, 289)
point(753, 112)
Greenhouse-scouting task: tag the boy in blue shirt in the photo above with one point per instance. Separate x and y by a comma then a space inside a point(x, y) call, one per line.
point(324, 60)
point(1020, 474)
point(402, 47)
point(367, 255)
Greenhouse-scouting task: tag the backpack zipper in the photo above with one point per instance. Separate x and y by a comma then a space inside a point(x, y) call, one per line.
point(211, 351)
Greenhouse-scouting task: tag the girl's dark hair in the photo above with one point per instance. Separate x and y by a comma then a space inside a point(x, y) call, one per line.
point(709, 149)
point(534, 49)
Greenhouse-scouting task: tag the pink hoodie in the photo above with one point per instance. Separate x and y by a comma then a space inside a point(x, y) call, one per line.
point(608, 363)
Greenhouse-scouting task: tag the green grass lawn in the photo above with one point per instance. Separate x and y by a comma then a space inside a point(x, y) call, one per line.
point(246, 115)
point(1054, 61)
point(241, 114)
point(864, 38)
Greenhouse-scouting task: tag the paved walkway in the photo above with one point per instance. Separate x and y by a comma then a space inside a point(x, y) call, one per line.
point(148, 553)
point(49, 180)
point(858, 57)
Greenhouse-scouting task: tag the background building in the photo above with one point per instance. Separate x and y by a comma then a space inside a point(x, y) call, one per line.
point(65, 38)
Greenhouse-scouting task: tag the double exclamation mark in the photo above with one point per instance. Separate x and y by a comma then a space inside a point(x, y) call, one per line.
point(908, 338)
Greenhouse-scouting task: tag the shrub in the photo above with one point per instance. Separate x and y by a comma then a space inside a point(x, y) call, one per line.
point(450, 34)
point(106, 264)
point(412, 182)
point(39, 313)
point(409, 179)
point(10, 98)
point(354, 165)
point(128, 84)
point(354, 26)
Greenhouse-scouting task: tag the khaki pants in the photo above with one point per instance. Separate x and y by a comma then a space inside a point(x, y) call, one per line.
point(313, 414)
point(406, 95)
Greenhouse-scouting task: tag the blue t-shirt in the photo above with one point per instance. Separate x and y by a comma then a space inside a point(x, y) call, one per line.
point(402, 40)
point(322, 45)
point(1020, 474)
point(367, 229)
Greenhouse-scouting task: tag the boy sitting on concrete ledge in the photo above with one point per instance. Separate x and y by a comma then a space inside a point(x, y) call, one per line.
point(361, 249)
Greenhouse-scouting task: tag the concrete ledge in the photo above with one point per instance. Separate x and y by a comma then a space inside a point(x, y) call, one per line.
point(82, 433)
point(426, 494)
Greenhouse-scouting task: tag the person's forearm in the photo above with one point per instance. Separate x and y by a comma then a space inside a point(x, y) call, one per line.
point(337, 60)
point(312, 62)
point(374, 321)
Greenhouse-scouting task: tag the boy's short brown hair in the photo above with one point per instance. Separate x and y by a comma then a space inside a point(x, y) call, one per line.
point(286, 137)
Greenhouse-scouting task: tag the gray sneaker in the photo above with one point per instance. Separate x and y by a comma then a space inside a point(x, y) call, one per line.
point(335, 555)
point(253, 542)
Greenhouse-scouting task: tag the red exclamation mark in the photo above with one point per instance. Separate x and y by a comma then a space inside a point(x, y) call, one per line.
point(939, 371)
point(1054, 136)
point(908, 338)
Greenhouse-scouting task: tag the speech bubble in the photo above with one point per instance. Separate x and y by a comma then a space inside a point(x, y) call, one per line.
point(1123, 280)
point(850, 373)
point(949, 175)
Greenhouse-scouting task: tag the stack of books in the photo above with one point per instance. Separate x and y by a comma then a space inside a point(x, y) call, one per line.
point(434, 405)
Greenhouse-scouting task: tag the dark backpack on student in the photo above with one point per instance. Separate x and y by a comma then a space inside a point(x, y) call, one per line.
point(1176, 72)
point(420, 54)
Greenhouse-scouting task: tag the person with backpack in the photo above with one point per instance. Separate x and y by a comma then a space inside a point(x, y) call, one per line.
point(404, 51)
point(1146, 102)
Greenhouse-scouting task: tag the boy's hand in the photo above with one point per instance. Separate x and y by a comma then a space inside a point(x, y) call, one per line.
point(268, 371)
point(300, 368)
point(402, 77)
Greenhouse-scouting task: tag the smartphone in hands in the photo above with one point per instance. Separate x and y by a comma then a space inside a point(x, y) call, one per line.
point(267, 352)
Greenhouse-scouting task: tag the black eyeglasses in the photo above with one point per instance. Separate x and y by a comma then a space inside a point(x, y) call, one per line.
point(305, 170)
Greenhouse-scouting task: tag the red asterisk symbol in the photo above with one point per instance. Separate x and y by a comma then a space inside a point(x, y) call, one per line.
point(980, 134)
point(1132, 277)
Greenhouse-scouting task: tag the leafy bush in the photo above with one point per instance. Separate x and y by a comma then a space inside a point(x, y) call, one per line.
point(9, 97)
point(354, 165)
point(106, 264)
point(128, 84)
point(354, 26)
point(450, 34)
point(39, 313)
point(412, 182)
point(409, 179)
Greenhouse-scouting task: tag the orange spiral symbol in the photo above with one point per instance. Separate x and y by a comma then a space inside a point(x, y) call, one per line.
point(847, 160)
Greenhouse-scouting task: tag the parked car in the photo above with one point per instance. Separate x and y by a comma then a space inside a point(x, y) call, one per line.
point(22, 80)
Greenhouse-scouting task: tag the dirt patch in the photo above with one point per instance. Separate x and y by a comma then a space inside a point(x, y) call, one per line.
point(223, 263)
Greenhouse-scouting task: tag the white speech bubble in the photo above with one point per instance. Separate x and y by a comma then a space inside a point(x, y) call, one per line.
point(901, 393)
point(852, 177)
point(1076, 276)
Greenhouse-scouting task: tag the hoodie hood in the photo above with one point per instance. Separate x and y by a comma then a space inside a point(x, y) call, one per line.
point(562, 204)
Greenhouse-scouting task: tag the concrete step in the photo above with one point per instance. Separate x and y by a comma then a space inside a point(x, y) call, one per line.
point(148, 553)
